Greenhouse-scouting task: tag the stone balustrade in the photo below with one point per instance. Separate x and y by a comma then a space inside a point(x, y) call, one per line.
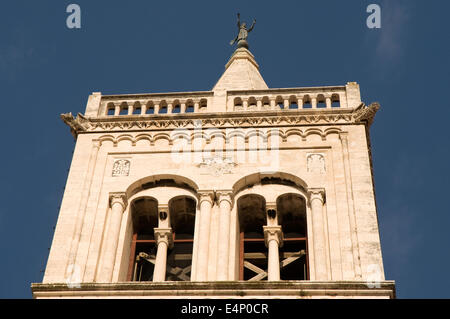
point(288, 99)
point(328, 97)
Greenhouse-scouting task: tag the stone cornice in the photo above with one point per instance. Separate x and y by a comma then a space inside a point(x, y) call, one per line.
point(361, 115)
point(227, 289)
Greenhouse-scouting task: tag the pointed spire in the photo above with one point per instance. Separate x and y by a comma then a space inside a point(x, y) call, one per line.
point(241, 73)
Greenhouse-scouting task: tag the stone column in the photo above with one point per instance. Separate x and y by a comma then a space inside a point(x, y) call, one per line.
point(314, 102)
point(118, 204)
point(196, 106)
point(183, 108)
point(300, 102)
point(274, 239)
point(225, 204)
point(328, 102)
point(259, 105)
point(245, 104)
point(164, 240)
point(317, 199)
point(272, 103)
point(286, 104)
point(205, 202)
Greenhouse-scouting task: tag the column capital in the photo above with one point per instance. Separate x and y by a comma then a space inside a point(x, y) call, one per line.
point(273, 233)
point(317, 193)
point(164, 235)
point(225, 195)
point(205, 195)
point(96, 144)
point(118, 198)
point(343, 136)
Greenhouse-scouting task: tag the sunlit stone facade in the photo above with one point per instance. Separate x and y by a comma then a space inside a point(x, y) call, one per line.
point(241, 191)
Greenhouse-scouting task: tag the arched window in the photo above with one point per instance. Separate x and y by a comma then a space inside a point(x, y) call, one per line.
point(291, 210)
point(321, 103)
point(279, 102)
point(111, 109)
point(182, 220)
point(189, 106)
point(150, 108)
point(335, 101)
point(144, 213)
point(176, 107)
point(144, 246)
point(203, 105)
point(123, 109)
point(237, 103)
point(307, 102)
point(163, 108)
point(252, 103)
point(137, 108)
point(293, 104)
point(253, 252)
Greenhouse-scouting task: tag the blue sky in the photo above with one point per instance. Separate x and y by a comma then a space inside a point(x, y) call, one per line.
point(158, 46)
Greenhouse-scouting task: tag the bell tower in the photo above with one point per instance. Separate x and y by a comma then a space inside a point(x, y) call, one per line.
point(243, 191)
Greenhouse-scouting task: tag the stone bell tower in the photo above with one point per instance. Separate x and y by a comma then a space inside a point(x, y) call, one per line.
point(240, 191)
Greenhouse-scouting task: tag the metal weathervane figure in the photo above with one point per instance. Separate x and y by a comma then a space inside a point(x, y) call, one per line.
point(241, 38)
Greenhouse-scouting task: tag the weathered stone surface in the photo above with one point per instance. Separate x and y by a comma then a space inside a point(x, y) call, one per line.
point(240, 135)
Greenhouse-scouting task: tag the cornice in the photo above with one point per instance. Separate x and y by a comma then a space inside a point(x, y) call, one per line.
point(360, 115)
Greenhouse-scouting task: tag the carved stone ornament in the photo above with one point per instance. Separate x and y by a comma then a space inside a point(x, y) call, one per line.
point(273, 233)
point(78, 124)
point(316, 163)
point(365, 113)
point(218, 166)
point(121, 167)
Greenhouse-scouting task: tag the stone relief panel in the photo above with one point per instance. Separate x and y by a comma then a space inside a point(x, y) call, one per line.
point(217, 166)
point(316, 163)
point(121, 167)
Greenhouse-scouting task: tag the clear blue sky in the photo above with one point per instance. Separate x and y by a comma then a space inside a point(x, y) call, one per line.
point(157, 46)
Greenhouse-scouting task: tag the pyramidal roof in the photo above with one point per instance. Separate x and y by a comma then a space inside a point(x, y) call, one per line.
point(241, 73)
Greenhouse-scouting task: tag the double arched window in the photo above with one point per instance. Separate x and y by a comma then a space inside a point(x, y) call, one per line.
point(256, 219)
point(171, 226)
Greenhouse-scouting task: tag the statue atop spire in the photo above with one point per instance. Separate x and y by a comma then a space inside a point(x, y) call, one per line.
point(241, 38)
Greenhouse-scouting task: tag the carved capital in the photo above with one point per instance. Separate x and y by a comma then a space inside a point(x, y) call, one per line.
point(96, 144)
point(205, 195)
point(164, 235)
point(273, 233)
point(343, 136)
point(317, 194)
point(224, 195)
point(118, 198)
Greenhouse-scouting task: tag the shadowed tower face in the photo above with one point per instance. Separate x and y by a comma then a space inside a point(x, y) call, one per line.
point(258, 192)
